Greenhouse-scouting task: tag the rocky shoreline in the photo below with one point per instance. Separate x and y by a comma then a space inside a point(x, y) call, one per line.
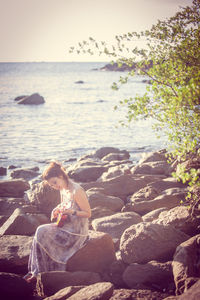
point(143, 241)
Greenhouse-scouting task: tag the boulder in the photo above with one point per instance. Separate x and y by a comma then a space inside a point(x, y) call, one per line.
point(193, 293)
point(136, 294)
point(146, 193)
point(115, 224)
point(22, 223)
point(99, 199)
point(114, 172)
point(99, 212)
point(154, 156)
point(100, 248)
point(116, 156)
point(62, 279)
point(153, 215)
point(121, 186)
point(65, 293)
point(161, 240)
point(3, 171)
point(33, 99)
point(116, 271)
point(44, 197)
point(26, 174)
point(3, 219)
point(100, 291)
point(13, 286)
point(13, 188)
point(8, 205)
point(102, 152)
point(163, 200)
point(153, 167)
point(186, 263)
point(152, 274)
point(167, 183)
point(14, 253)
point(87, 173)
point(180, 217)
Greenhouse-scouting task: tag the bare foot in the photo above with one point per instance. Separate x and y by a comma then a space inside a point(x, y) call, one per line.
point(29, 278)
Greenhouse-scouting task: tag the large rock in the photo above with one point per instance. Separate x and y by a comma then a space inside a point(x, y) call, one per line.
point(100, 248)
point(102, 152)
point(44, 197)
point(144, 194)
point(3, 171)
point(22, 223)
point(161, 240)
point(156, 167)
point(87, 173)
point(163, 200)
point(13, 286)
point(33, 99)
point(8, 205)
point(99, 199)
point(62, 279)
point(153, 215)
point(100, 212)
point(121, 186)
point(186, 263)
point(180, 217)
point(65, 293)
point(115, 171)
point(154, 156)
point(116, 156)
point(14, 253)
point(100, 291)
point(167, 183)
point(149, 275)
point(193, 293)
point(115, 224)
point(13, 188)
point(26, 174)
point(136, 294)
point(116, 271)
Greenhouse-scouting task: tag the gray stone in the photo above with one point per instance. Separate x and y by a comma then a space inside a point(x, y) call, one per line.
point(144, 242)
point(100, 248)
point(151, 274)
point(13, 286)
point(14, 253)
point(115, 224)
point(100, 291)
point(99, 199)
point(62, 279)
point(13, 188)
point(186, 263)
point(21, 223)
point(26, 174)
point(33, 99)
point(180, 217)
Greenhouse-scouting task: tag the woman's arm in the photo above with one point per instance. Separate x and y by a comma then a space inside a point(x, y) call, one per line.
point(81, 199)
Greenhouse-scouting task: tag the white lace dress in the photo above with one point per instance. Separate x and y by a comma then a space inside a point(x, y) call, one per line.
point(52, 245)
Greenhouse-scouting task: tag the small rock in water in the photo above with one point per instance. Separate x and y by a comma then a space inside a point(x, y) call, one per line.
point(3, 171)
point(33, 99)
point(79, 82)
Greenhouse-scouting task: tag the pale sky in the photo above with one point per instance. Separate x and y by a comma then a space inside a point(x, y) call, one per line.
point(43, 30)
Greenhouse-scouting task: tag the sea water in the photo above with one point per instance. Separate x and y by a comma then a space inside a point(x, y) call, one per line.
point(75, 119)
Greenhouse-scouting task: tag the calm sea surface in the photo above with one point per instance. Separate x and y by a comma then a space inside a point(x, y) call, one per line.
point(75, 119)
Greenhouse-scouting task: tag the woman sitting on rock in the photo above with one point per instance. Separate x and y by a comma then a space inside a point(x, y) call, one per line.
point(55, 243)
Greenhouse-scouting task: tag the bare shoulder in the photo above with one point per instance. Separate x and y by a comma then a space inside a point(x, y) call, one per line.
point(78, 190)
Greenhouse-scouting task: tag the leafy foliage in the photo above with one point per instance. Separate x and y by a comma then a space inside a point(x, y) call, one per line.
point(171, 60)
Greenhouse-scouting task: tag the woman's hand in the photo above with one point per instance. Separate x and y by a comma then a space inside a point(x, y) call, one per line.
point(54, 214)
